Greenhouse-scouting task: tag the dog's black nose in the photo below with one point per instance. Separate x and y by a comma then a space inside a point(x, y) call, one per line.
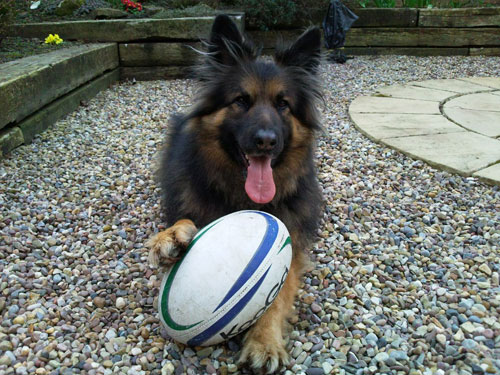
point(265, 139)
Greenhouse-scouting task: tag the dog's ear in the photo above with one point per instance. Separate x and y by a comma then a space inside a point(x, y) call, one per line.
point(227, 45)
point(304, 53)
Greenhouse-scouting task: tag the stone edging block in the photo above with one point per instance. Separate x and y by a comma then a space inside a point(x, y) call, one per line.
point(459, 17)
point(188, 28)
point(9, 139)
point(28, 84)
point(158, 54)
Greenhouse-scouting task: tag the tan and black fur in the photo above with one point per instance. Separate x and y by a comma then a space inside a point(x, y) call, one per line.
point(247, 107)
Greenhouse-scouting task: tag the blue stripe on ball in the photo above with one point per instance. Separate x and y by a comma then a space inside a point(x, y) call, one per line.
point(254, 263)
point(230, 315)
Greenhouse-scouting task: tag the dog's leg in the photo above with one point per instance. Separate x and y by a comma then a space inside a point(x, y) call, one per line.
point(166, 246)
point(264, 346)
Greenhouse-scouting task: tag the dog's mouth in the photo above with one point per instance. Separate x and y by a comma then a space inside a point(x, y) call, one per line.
point(259, 184)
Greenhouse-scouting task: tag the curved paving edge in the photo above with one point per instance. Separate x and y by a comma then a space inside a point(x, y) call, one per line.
point(451, 124)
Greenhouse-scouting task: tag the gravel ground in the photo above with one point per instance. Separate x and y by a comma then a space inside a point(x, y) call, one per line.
point(407, 265)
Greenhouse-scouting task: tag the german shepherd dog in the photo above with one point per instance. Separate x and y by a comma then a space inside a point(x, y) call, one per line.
point(247, 143)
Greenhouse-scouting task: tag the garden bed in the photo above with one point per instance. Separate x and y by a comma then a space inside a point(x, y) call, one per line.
point(149, 49)
point(13, 48)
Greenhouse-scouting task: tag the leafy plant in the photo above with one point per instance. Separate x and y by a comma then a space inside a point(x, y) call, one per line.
point(417, 3)
point(267, 14)
point(385, 3)
point(115, 4)
point(463, 4)
point(377, 3)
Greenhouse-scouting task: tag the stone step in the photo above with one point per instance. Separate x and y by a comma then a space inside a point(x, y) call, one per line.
point(423, 37)
point(151, 73)
point(128, 30)
point(9, 139)
point(158, 54)
point(411, 51)
point(28, 84)
point(459, 17)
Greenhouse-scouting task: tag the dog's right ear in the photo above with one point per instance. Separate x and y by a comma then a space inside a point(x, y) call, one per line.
point(304, 53)
point(227, 45)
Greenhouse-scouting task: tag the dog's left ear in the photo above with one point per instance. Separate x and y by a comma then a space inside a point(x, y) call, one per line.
point(227, 44)
point(305, 52)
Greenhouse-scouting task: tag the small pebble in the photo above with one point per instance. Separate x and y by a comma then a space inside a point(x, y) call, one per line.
point(120, 303)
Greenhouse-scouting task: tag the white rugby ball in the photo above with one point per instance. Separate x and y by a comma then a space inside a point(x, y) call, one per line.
point(230, 274)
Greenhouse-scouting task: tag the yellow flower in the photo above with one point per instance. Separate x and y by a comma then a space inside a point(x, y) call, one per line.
point(53, 39)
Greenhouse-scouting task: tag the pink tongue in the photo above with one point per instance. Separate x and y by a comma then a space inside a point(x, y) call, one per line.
point(260, 184)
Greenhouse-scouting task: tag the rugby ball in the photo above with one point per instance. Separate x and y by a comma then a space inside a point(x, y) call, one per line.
point(230, 274)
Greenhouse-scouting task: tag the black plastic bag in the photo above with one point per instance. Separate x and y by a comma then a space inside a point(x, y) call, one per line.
point(337, 21)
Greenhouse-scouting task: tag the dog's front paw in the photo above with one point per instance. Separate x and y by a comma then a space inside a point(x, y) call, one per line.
point(264, 350)
point(166, 247)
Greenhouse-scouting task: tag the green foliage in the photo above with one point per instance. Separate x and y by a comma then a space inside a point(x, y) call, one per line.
point(267, 14)
point(417, 3)
point(117, 4)
point(7, 14)
point(377, 3)
point(466, 3)
point(308, 11)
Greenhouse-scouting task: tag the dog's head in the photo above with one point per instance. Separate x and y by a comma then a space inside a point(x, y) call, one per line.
point(261, 113)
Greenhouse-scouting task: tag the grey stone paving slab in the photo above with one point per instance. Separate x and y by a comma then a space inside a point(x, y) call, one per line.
point(479, 102)
point(385, 125)
point(462, 152)
point(493, 82)
point(490, 174)
point(374, 104)
point(414, 92)
point(484, 122)
point(453, 85)
point(463, 136)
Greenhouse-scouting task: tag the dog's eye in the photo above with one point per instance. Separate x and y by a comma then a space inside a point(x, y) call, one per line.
point(242, 101)
point(282, 104)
